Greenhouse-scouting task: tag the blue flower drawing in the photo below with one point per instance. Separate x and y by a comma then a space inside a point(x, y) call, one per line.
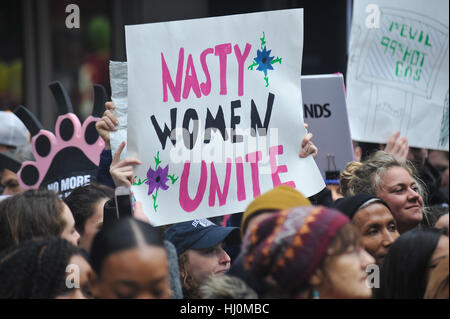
point(263, 60)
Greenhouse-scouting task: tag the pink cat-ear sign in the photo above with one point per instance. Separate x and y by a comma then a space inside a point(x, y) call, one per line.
point(73, 152)
point(47, 147)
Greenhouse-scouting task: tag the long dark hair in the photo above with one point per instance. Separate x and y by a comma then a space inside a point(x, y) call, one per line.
point(403, 275)
point(126, 233)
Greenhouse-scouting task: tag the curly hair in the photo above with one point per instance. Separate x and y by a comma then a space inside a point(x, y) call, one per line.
point(188, 284)
point(30, 215)
point(368, 177)
point(36, 269)
point(346, 177)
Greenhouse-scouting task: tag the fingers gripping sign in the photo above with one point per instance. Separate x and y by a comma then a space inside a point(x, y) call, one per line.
point(308, 148)
point(397, 146)
point(107, 123)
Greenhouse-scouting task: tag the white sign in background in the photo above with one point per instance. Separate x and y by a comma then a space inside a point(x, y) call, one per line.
point(325, 111)
point(219, 177)
point(398, 69)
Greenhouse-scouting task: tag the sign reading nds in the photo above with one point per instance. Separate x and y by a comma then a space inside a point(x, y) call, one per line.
point(325, 111)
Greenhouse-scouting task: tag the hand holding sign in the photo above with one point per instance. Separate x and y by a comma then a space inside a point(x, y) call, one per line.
point(107, 123)
point(398, 146)
point(308, 148)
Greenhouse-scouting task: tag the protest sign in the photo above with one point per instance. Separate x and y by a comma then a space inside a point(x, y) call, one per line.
point(325, 111)
point(397, 77)
point(70, 157)
point(213, 113)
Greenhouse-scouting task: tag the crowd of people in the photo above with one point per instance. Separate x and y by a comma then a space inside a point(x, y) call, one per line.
point(384, 234)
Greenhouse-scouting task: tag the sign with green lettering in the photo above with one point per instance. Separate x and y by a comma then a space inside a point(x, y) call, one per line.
point(398, 72)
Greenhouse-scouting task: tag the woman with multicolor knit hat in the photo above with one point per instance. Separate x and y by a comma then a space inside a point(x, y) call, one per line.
point(308, 252)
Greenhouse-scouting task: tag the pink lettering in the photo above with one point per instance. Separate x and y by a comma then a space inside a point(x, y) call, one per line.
point(215, 187)
point(253, 159)
point(167, 80)
point(188, 204)
point(240, 179)
point(191, 80)
point(206, 86)
point(222, 50)
point(273, 152)
point(241, 60)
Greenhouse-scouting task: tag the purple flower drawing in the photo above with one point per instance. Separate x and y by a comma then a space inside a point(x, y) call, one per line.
point(157, 179)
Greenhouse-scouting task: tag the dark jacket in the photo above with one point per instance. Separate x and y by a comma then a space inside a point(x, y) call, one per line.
point(103, 175)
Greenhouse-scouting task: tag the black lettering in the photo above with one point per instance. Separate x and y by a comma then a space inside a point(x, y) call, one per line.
point(316, 113)
point(256, 120)
point(215, 123)
point(307, 110)
point(327, 111)
point(235, 120)
point(164, 135)
point(190, 138)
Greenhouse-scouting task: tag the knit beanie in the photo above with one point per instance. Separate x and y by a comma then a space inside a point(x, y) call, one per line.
point(350, 205)
point(289, 246)
point(279, 198)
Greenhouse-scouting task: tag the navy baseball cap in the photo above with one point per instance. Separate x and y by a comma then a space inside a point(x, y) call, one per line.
point(200, 234)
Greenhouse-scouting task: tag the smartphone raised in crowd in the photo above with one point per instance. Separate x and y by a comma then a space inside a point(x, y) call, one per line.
point(109, 212)
point(124, 201)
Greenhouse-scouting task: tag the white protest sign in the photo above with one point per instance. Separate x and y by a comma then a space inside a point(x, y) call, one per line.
point(196, 88)
point(325, 111)
point(397, 77)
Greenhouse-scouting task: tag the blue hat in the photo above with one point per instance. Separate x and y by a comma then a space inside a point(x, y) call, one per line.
point(200, 234)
